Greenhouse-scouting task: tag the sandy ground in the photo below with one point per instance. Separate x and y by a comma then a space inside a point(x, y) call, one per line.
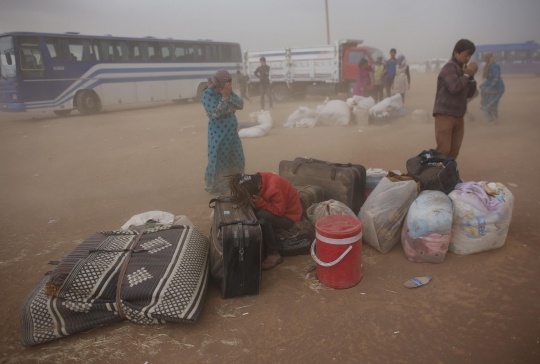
point(65, 178)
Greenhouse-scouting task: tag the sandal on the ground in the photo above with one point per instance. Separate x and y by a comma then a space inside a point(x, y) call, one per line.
point(268, 265)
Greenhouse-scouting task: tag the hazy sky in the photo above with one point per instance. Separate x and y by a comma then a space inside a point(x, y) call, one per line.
point(417, 28)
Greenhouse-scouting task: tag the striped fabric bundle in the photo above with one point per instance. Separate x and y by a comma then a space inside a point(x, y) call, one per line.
point(153, 277)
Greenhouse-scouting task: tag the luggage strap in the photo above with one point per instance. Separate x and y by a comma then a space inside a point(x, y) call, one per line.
point(248, 222)
point(333, 165)
point(123, 272)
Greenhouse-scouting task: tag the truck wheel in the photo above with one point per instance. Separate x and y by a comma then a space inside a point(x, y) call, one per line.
point(88, 102)
point(62, 113)
point(281, 93)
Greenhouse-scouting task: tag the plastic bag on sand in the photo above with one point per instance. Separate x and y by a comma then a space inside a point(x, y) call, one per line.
point(335, 113)
point(255, 131)
point(157, 216)
point(387, 105)
point(426, 231)
point(481, 219)
point(374, 176)
point(331, 207)
point(384, 212)
point(360, 101)
point(420, 116)
point(302, 112)
point(262, 117)
point(307, 123)
point(361, 116)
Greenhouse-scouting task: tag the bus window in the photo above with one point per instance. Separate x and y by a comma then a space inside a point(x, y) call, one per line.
point(536, 54)
point(7, 70)
point(28, 41)
point(113, 50)
point(167, 51)
point(179, 52)
point(519, 55)
point(80, 50)
point(154, 54)
point(211, 52)
point(31, 63)
point(135, 53)
point(58, 49)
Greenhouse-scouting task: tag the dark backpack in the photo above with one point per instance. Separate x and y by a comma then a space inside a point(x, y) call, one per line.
point(296, 240)
point(434, 171)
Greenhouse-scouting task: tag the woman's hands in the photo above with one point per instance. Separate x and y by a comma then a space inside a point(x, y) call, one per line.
point(226, 90)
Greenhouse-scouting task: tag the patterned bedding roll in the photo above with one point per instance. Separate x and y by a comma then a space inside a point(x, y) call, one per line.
point(165, 276)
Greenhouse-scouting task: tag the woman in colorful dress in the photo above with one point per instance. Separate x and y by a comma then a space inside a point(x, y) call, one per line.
point(225, 153)
point(402, 80)
point(491, 89)
point(363, 78)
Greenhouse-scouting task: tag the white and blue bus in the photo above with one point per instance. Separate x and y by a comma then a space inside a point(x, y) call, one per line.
point(62, 72)
point(512, 57)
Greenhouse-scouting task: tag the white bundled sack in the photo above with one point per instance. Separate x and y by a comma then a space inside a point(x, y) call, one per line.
point(482, 215)
point(386, 106)
point(360, 101)
point(261, 117)
point(331, 207)
point(301, 113)
point(335, 113)
point(426, 231)
point(307, 123)
point(420, 116)
point(384, 212)
point(255, 131)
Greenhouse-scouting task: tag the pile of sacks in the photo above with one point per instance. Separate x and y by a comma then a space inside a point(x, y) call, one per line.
point(389, 107)
point(331, 113)
point(473, 218)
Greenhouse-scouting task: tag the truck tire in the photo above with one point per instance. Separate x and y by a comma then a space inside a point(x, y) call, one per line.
point(88, 102)
point(281, 93)
point(62, 113)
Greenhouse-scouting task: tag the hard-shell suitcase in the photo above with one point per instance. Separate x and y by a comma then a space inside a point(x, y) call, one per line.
point(235, 249)
point(309, 195)
point(345, 183)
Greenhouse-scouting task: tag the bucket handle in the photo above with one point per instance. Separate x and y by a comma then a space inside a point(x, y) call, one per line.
point(331, 264)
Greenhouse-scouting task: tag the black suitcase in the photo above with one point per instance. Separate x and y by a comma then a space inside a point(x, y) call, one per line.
point(434, 171)
point(235, 249)
point(345, 183)
point(309, 195)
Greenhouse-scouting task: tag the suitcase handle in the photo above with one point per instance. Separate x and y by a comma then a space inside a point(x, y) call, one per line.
point(225, 199)
point(333, 165)
point(248, 222)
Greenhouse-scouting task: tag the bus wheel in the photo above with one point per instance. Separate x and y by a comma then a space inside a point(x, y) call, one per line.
point(200, 91)
point(87, 102)
point(62, 113)
point(281, 93)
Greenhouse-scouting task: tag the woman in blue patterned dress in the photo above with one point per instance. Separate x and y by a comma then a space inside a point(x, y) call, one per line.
point(225, 154)
point(491, 89)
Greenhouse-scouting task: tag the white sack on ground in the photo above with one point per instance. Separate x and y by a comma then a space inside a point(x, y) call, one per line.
point(387, 105)
point(482, 215)
point(307, 123)
point(302, 112)
point(335, 113)
point(362, 102)
point(255, 131)
point(384, 211)
point(261, 117)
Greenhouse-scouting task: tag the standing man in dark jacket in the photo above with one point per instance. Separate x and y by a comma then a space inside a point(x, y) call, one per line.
point(455, 85)
point(263, 74)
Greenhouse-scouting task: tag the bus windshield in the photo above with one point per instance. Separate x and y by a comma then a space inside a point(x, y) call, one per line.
point(7, 70)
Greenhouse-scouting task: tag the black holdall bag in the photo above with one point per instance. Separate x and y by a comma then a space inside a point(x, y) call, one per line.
point(297, 240)
point(343, 182)
point(434, 171)
point(235, 249)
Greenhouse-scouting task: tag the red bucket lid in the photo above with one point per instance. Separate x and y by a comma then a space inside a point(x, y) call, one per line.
point(338, 226)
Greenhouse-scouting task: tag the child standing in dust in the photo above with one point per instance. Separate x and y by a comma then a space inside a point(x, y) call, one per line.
point(225, 153)
point(455, 85)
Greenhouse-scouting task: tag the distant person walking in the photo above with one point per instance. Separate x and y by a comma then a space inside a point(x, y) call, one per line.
point(491, 89)
point(455, 85)
point(378, 79)
point(390, 72)
point(363, 78)
point(242, 83)
point(402, 79)
point(263, 74)
point(225, 153)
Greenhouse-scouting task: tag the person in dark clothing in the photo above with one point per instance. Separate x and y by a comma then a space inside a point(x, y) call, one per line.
point(242, 82)
point(455, 85)
point(275, 201)
point(390, 72)
point(263, 74)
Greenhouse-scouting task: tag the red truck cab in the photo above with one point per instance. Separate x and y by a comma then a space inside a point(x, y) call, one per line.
point(352, 54)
